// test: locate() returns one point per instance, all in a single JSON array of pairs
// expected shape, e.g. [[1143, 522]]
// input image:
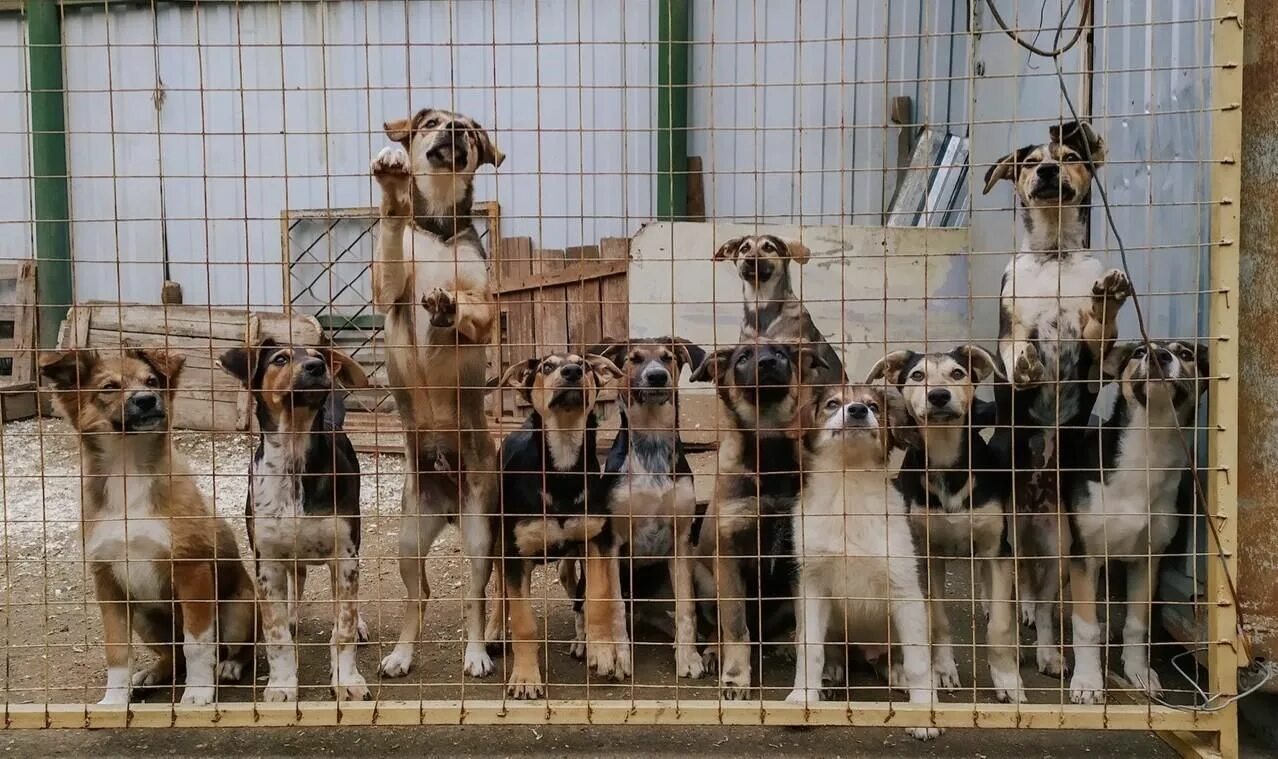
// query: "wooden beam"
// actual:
[[558, 277]]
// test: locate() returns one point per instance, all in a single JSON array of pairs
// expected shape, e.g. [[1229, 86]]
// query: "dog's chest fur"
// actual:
[[648, 480], [128, 531], [957, 505], [282, 528]]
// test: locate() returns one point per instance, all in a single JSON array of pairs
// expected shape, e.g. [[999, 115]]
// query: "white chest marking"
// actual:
[[129, 534], [281, 528]]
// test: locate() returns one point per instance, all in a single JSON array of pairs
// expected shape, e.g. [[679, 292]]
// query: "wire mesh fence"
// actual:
[[717, 362]]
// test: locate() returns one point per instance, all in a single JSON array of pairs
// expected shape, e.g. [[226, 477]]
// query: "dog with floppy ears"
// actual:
[[858, 572], [958, 495], [553, 506], [163, 563], [1058, 316], [1123, 506], [303, 501], [431, 280]]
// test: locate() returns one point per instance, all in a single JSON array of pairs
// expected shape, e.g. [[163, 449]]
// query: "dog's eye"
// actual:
[[431, 123], [636, 358], [833, 403], [743, 360], [547, 368], [873, 406], [916, 375], [667, 358], [1187, 355], [958, 374], [280, 359], [109, 386], [1138, 353], [152, 381]]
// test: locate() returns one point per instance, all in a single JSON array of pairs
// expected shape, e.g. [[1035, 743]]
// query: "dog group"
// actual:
[[836, 505]]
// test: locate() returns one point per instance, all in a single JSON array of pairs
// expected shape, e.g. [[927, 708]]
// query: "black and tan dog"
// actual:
[[431, 280], [163, 564], [303, 501], [553, 505], [772, 310], [746, 539]]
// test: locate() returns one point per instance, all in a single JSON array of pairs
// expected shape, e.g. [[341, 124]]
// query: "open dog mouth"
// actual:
[[651, 396], [144, 421], [935, 414], [1052, 190], [568, 398], [756, 271], [448, 155]]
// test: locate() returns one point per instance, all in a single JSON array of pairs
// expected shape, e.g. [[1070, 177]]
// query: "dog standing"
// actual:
[[858, 573], [429, 253], [303, 502], [1058, 316], [163, 563], [1123, 505], [958, 494], [553, 505]]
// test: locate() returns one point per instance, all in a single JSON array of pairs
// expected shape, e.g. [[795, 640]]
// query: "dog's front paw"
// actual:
[[477, 662], [1087, 687], [442, 308], [398, 662], [688, 663], [1050, 661], [525, 684], [391, 165], [197, 695], [803, 696], [611, 660], [230, 670], [946, 673], [280, 689], [115, 697], [1029, 369], [350, 687], [156, 674], [1008, 687], [1144, 679], [925, 733], [1115, 287], [1028, 612], [710, 660], [361, 629], [734, 683]]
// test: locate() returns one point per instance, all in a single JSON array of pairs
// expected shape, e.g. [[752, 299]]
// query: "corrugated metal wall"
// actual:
[[15, 143]]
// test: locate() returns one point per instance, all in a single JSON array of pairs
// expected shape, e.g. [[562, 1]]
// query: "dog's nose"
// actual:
[[144, 401], [1049, 170], [1164, 356], [938, 397], [656, 377], [313, 367], [571, 372], [858, 411], [767, 362]]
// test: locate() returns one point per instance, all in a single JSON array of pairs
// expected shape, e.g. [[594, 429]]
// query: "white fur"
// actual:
[[200, 652], [127, 533], [117, 686], [1088, 683]]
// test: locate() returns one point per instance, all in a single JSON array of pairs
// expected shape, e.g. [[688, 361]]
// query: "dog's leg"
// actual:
[[947, 675], [1051, 661], [495, 628], [417, 535], [1020, 357], [734, 635], [155, 628], [525, 675], [1088, 684], [236, 630], [296, 589], [574, 587], [601, 644], [477, 537], [1027, 591], [1100, 324], [688, 662], [1000, 632], [347, 683], [620, 630], [812, 620], [281, 654], [909, 618], [196, 592], [1136, 628], [391, 273], [117, 637]]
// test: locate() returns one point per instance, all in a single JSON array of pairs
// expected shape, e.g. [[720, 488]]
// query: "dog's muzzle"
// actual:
[[448, 153], [143, 411], [653, 387], [754, 270]]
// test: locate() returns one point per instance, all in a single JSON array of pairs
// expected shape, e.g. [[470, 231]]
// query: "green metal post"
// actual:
[[674, 29], [49, 167]]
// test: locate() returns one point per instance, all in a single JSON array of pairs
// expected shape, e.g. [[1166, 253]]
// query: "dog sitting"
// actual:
[[746, 538], [772, 310], [303, 501], [554, 505], [429, 253], [1057, 319], [1123, 504], [958, 493], [163, 564], [858, 573]]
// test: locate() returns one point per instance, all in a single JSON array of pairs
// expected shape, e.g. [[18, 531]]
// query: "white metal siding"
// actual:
[[15, 142]]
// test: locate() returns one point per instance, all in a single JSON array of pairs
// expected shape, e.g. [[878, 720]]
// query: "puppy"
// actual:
[[303, 501], [428, 252], [772, 310], [163, 564], [958, 493], [1057, 318], [553, 504], [745, 539], [1123, 506], [858, 573]]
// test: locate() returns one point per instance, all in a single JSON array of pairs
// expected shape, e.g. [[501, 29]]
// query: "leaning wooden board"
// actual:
[[207, 398], [17, 340]]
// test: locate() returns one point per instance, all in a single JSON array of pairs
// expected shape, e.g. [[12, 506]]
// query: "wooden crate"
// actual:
[[17, 340]]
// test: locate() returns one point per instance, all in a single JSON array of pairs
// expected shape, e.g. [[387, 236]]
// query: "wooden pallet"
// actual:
[[17, 340]]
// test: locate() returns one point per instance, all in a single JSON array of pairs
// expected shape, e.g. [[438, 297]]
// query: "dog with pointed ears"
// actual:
[[553, 506], [1123, 506], [958, 495], [431, 280], [1058, 317], [303, 501], [163, 564]]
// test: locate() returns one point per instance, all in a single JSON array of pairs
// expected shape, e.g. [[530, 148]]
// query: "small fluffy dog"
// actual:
[[429, 253], [553, 505], [958, 493], [858, 572], [163, 564], [746, 536], [772, 310], [1123, 505], [303, 501]]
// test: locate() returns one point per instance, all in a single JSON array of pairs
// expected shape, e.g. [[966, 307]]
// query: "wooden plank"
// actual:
[[551, 323], [23, 315], [583, 298], [18, 401], [554, 273], [696, 208], [614, 292]]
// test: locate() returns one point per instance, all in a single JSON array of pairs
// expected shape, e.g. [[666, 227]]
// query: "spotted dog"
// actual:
[[1123, 506], [958, 492], [163, 564], [303, 501], [1057, 318]]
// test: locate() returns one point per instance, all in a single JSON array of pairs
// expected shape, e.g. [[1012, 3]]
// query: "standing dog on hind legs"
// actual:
[[431, 280], [1058, 316]]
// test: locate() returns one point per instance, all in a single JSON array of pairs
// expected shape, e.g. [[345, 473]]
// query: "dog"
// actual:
[[429, 253], [163, 563], [958, 493], [1058, 312], [1123, 507], [303, 501], [745, 540], [858, 573], [553, 505], [772, 310]]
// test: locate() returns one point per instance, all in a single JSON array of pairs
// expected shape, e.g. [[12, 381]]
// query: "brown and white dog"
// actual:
[[431, 280], [163, 563]]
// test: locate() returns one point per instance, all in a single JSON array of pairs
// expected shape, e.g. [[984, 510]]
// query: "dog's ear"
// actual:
[[978, 361], [399, 130], [604, 370], [890, 367], [799, 252], [712, 368], [1117, 357], [345, 369], [687, 353], [167, 364], [810, 361], [1006, 167], [1078, 135], [728, 250], [67, 369], [240, 363], [488, 152], [1204, 364], [902, 432], [520, 376], [611, 348]]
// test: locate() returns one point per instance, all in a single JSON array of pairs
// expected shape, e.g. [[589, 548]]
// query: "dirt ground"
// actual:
[[52, 631]]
